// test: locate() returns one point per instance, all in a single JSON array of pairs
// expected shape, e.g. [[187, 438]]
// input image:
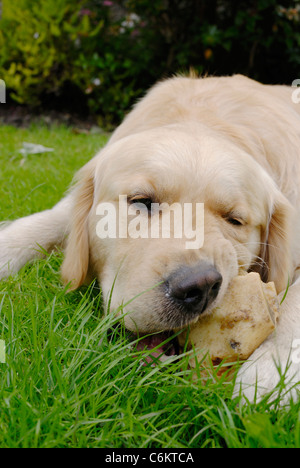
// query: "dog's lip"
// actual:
[[162, 344]]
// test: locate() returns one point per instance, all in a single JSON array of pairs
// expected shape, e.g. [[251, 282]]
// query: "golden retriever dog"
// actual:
[[227, 143]]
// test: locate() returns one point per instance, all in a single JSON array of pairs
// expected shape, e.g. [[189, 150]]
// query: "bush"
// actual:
[[103, 54], [254, 37], [39, 44]]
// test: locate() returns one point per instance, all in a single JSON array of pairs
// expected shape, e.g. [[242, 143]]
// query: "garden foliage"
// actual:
[[104, 54]]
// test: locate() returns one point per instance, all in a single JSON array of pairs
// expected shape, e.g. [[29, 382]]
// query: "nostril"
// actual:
[[216, 287], [183, 292], [192, 295]]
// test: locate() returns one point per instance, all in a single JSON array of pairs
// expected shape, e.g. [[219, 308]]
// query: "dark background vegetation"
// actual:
[[98, 57]]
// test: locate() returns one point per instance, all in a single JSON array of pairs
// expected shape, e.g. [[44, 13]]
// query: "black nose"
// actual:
[[194, 288]]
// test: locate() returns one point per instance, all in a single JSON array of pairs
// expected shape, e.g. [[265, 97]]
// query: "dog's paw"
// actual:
[[4, 256], [272, 371], [12, 257]]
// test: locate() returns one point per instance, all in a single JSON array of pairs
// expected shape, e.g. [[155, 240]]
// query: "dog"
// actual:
[[229, 143]]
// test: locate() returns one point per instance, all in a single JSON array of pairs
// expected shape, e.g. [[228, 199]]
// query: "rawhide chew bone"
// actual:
[[247, 316]]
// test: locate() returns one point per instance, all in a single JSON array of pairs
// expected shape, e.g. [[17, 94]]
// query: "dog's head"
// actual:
[[161, 282]]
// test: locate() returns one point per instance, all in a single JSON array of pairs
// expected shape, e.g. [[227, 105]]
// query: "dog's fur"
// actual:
[[228, 142]]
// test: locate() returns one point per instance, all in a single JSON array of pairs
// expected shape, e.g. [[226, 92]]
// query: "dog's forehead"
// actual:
[[174, 162]]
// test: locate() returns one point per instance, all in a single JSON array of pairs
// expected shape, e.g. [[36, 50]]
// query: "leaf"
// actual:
[[260, 429], [54, 29]]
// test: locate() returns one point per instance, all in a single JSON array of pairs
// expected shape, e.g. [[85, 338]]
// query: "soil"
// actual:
[[22, 117]]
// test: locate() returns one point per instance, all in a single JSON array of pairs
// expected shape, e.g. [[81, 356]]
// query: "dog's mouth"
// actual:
[[152, 348], [160, 347]]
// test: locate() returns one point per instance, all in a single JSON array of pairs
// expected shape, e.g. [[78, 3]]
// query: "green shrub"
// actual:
[[110, 51], [40, 42]]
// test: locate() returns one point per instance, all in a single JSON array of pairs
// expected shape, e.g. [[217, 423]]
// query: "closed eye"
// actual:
[[146, 201], [234, 218], [235, 221]]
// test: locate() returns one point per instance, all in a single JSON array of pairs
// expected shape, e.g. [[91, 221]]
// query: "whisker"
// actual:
[[266, 244], [258, 262]]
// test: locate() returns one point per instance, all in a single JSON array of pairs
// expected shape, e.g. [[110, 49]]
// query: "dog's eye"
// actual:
[[235, 221], [142, 200]]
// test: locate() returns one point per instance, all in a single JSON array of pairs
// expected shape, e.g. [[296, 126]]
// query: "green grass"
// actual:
[[65, 382]]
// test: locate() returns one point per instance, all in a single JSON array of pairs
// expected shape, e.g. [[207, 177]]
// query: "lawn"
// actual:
[[66, 381]]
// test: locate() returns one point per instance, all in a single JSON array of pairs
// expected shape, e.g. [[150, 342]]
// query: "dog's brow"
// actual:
[[237, 213], [141, 193]]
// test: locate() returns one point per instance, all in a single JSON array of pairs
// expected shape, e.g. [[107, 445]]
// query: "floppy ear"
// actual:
[[76, 263], [276, 251]]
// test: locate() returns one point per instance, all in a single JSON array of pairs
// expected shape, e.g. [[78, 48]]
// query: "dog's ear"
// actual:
[[75, 266], [276, 253]]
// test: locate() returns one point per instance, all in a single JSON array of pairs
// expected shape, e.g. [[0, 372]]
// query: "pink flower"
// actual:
[[85, 12], [108, 3]]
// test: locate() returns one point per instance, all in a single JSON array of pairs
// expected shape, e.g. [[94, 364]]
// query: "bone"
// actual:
[[231, 332]]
